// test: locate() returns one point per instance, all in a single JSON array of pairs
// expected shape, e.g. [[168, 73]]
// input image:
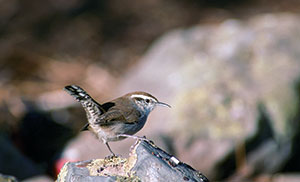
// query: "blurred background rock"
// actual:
[[229, 68]]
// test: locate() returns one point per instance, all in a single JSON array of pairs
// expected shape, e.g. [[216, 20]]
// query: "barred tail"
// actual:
[[78, 93], [92, 108]]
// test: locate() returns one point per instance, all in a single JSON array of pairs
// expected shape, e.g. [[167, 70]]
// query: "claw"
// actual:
[[111, 156]]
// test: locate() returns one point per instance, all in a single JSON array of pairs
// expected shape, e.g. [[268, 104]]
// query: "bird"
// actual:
[[117, 119]]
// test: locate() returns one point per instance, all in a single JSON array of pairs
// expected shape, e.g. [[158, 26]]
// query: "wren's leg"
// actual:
[[135, 137], [113, 154]]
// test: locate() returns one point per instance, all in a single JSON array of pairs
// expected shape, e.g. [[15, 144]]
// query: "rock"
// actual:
[[6, 178], [227, 84], [286, 177], [146, 163]]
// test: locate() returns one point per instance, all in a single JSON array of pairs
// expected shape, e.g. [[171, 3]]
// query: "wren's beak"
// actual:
[[163, 104]]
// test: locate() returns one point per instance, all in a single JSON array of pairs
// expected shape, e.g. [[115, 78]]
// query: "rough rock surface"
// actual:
[[234, 92], [147, 163]]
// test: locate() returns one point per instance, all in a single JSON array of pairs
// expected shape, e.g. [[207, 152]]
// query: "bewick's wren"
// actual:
[[117, 119]]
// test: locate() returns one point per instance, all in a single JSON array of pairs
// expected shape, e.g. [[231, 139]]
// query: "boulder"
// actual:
[[234, 92], [146, 163]]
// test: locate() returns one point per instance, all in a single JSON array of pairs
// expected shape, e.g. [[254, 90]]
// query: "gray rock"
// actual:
[[217, 79], [147, 163], [7, 178]]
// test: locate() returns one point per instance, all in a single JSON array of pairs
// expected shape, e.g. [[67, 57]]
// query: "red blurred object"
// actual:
[[60, 163]]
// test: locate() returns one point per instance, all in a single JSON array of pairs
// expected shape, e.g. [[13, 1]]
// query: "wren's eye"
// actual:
[[138, 99], [147, 101]]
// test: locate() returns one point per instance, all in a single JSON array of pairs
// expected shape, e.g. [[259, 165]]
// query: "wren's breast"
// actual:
[[131, 129], [110, 132], [107, 134]]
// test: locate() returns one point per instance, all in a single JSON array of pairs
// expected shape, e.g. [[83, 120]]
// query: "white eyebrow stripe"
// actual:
[[142, 96]]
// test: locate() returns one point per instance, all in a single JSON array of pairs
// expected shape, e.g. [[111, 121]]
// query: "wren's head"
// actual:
[[146, 102]]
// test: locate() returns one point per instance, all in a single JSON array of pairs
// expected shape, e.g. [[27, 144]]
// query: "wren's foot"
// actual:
[[111, 156]]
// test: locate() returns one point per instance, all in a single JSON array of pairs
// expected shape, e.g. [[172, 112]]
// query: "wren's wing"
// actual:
[[110, 117], [113, 116], [92, 108]]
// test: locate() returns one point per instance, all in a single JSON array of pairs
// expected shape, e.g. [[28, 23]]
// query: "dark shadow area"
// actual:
[[41, 139], [264, 132], [293, 164]]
